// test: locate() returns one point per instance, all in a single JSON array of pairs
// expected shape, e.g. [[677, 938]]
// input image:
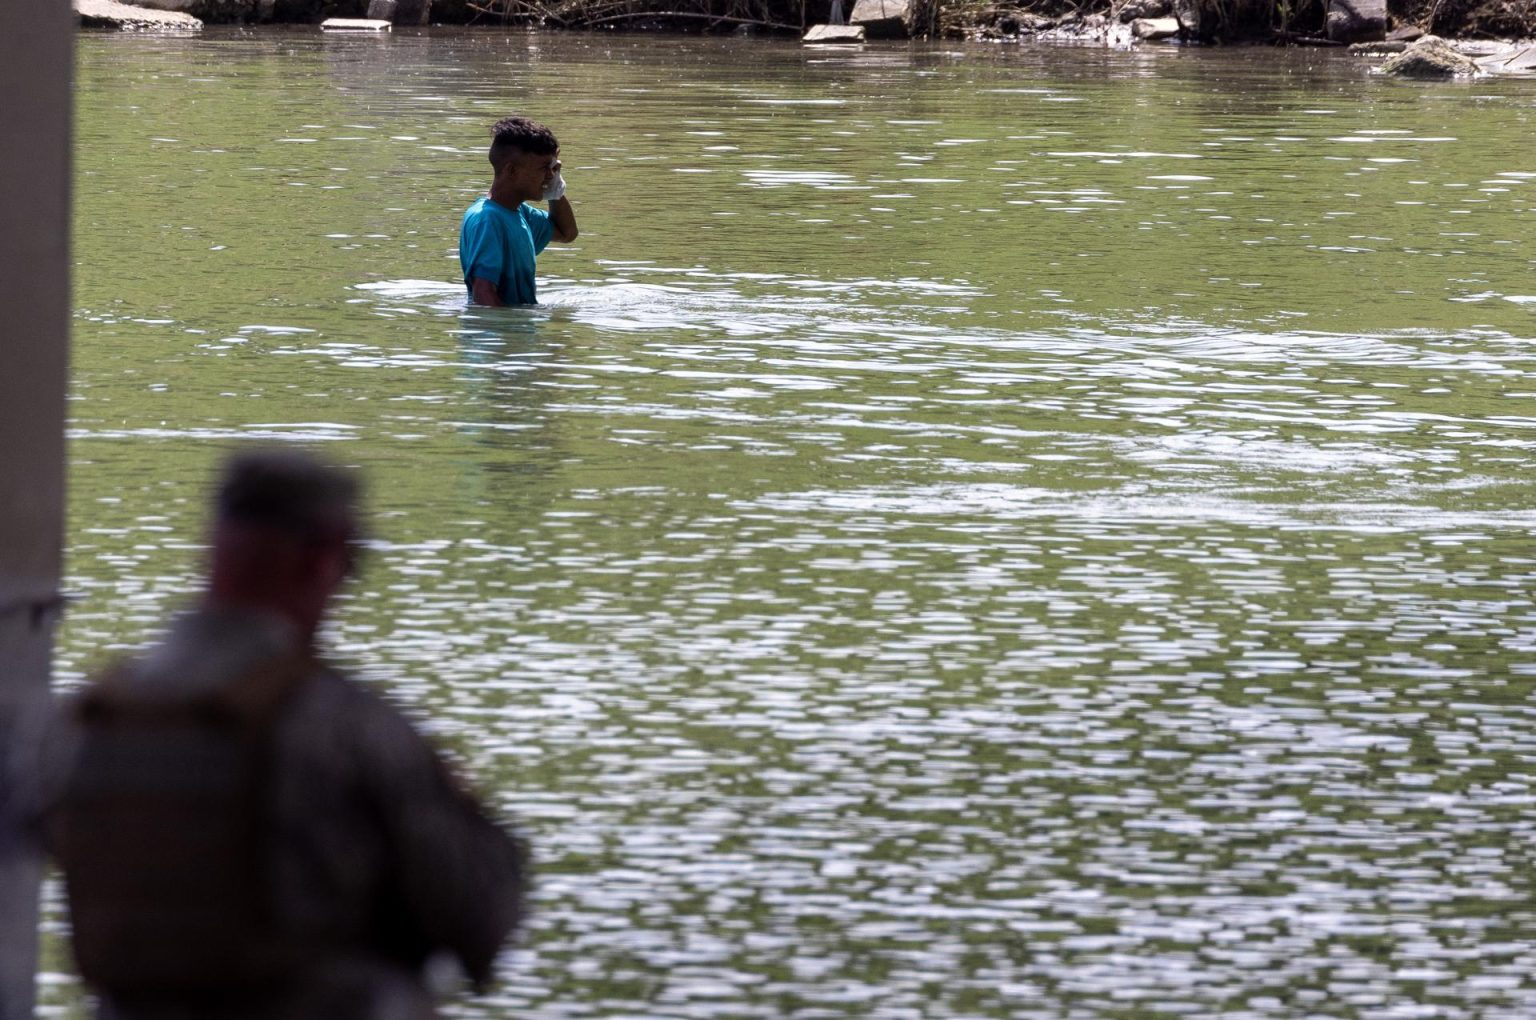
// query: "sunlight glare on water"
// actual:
[[996, 532]]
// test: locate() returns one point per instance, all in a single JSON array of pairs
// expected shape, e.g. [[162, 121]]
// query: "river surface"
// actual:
[[970, 532]]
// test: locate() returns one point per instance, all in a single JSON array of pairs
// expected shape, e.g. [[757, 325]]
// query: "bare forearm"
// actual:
[[563, 219], [483, 292]]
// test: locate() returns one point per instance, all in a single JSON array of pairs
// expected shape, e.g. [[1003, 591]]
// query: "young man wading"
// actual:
[[501, 234], [248, 834]]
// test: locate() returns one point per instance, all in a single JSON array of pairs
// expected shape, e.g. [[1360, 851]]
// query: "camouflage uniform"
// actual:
[[372, 860]]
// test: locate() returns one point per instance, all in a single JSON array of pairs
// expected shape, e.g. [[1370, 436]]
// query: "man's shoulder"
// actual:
[[330, 705], [336, 686], [345, 722], [483, 210], [487, 207]]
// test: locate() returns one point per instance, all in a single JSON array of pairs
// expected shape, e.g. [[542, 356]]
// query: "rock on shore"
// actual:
[[127, 18], [883, 19], [1431, 57]]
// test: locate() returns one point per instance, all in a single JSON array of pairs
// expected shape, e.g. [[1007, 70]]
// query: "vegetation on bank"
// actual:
[[1227, 20]]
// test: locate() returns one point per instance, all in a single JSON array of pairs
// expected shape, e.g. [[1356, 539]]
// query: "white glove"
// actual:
[[555, 189]]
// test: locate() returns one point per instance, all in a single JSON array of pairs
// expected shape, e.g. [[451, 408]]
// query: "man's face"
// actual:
[[530, 173]]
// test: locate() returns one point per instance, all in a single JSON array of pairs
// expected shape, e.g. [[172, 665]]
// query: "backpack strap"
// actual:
[[250, 702], [162, 837]]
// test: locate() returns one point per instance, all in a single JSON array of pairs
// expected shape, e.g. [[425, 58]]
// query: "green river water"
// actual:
[[970, 532]]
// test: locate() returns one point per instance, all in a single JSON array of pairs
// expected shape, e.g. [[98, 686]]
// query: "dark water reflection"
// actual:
[[993, 533]]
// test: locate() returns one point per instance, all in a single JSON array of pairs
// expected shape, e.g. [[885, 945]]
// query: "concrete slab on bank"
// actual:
[[354, 25], [831, 35], [128, 18], [882, 19]]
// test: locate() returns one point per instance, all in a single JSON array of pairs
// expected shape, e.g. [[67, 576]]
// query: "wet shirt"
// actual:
[[500, 244]]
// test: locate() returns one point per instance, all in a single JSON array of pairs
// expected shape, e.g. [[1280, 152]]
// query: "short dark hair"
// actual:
[[293, 491], [519, 134]]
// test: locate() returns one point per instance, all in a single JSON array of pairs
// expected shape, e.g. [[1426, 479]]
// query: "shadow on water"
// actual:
[[509, 360]]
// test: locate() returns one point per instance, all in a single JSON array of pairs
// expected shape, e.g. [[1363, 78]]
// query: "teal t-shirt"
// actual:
[[499, 244]]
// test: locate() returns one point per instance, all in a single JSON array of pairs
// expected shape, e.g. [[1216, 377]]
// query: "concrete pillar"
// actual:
[[412, 12], [1352, 21], [36, 61]]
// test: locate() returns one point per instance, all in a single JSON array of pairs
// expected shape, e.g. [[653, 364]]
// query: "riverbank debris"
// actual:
[[1153, 29], [1516, 58], [833, 35], [122, 17]]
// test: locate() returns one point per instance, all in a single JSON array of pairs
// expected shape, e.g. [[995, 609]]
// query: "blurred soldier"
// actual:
[[245, 832]]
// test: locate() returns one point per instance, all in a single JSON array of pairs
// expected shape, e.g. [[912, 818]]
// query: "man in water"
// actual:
[[247, 833], [502, 234]]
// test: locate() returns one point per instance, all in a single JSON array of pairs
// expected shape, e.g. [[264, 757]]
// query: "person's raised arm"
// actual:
[[562, 218], [483, 292], [460, 878]]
